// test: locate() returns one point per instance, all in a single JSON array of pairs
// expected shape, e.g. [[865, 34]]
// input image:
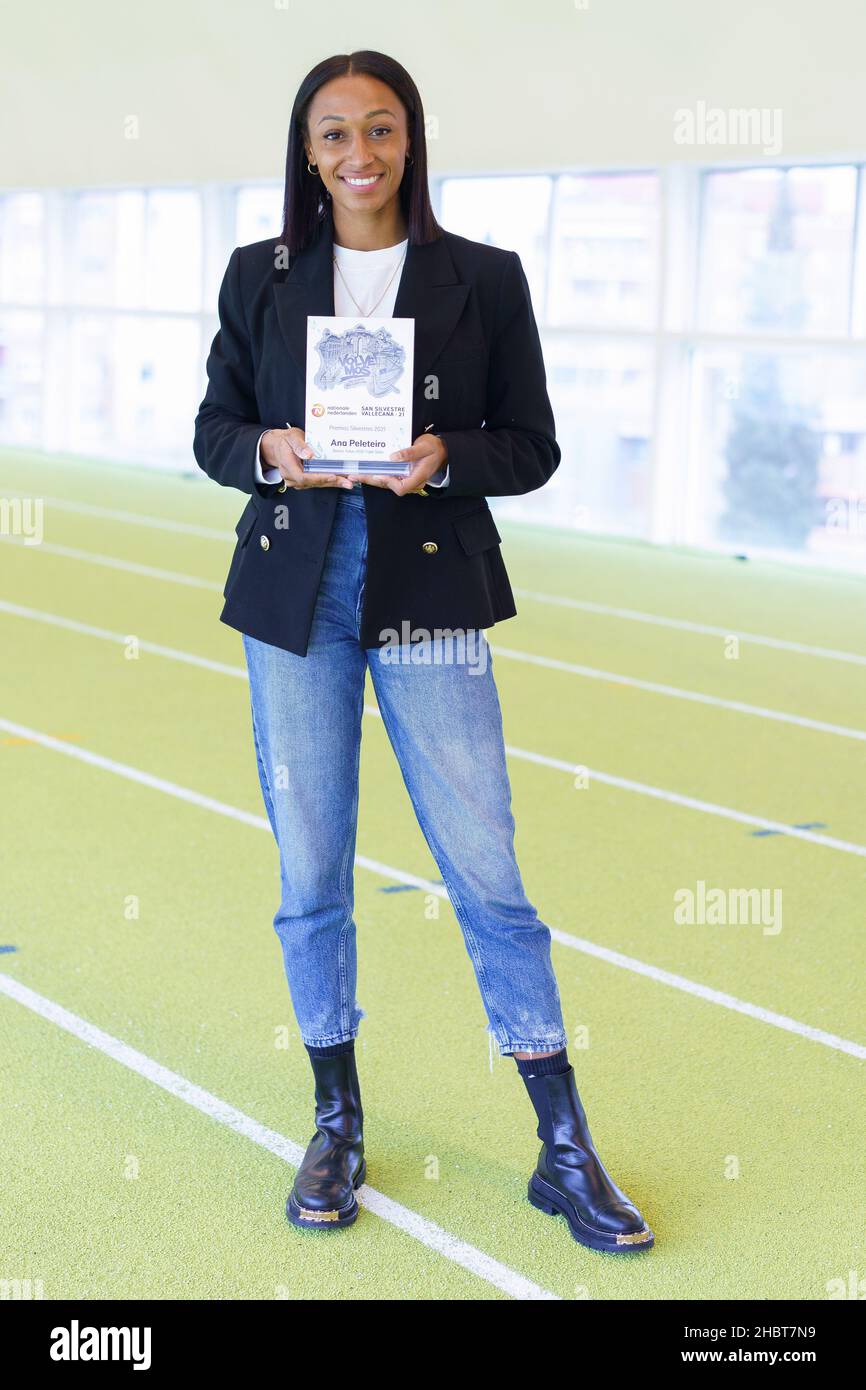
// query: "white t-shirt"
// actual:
[[368, 273]]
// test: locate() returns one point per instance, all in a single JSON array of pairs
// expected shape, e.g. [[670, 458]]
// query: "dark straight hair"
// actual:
[[306, 201]]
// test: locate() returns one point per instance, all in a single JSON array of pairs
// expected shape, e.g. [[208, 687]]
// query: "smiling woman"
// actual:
[[322, 578], [362, 170], [359, 123]]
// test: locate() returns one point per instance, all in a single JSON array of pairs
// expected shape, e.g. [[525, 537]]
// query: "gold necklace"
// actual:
[[368, 313]]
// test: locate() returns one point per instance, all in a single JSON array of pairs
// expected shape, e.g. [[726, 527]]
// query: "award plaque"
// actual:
[[359, 394]]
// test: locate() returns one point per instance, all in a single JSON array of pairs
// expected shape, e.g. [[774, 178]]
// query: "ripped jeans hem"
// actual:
[[554, 1044], [345, 1035]]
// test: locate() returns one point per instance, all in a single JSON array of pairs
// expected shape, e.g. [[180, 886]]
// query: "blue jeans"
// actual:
[[440, 708]]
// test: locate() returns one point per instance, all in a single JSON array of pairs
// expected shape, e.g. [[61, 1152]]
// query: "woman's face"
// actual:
[[357, 130]]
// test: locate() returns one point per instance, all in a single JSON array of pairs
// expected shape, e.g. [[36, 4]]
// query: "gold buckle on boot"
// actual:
[[318, 1215], [634, 1237]]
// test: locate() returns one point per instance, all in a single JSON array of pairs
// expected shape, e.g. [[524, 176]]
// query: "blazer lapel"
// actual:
[[430, 291]]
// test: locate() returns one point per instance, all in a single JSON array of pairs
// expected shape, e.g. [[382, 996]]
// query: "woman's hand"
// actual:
[[427, 454], [285, 450]]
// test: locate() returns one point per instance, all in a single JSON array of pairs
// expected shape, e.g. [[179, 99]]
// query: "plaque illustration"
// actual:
[[359, 358]]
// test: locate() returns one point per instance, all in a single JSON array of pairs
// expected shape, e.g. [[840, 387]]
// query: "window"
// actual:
[[589, 246], [703, 329], [777, 250]]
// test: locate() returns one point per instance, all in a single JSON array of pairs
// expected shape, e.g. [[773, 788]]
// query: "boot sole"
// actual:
[[545, 1198], [308, 1219]]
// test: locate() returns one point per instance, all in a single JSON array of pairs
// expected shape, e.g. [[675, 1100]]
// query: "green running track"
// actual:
[[155, 1091]]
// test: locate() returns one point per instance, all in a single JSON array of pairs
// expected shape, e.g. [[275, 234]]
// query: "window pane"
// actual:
[[601, 395], [132, 381], [107, 248], [21, 337], [137, 250], [173, 249], [22, 254], [507, 212], [776, 249], [605, 250], [259, 213], [782, 452]]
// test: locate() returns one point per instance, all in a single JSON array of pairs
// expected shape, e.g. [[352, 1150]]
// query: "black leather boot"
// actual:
[[570, 1180], [323, 1194]]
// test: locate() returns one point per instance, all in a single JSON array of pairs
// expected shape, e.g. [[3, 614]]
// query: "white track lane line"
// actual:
[[551, 663], [692, 803], [19, 610], [112, 562], [636, 615], [676, 692], [576, 943], [410, 1222], [155, 523], [525, 755], [559, 600]]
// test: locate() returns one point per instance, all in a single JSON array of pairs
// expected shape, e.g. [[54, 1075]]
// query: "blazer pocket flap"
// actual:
[[476, 531], [244, 527]]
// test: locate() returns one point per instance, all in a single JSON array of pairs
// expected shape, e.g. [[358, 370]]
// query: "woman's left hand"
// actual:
[[427, 455]]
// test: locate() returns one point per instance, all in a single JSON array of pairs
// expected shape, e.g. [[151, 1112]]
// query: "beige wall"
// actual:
[[546, 84]]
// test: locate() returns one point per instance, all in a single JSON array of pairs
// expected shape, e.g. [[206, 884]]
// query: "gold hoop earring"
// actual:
[[312, 169]]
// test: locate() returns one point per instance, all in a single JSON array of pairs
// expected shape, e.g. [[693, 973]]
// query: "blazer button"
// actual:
[[429, 547], [264, 543]]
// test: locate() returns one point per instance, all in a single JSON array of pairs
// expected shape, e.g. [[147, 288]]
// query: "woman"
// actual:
[[329, 572]]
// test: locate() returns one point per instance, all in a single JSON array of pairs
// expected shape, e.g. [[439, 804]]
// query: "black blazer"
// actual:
[[479, 380]]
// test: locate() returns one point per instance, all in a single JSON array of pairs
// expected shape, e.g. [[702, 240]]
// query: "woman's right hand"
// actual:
[[286, 450]]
